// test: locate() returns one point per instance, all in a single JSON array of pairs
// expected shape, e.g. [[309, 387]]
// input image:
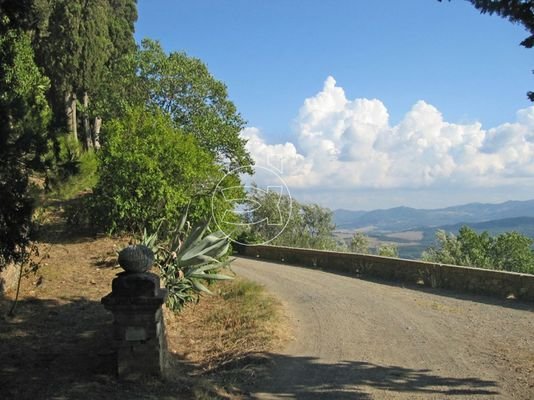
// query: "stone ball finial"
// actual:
[[136, 258]]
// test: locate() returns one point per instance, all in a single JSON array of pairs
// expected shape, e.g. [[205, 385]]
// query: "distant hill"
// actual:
[[424, 237], [406, 218]]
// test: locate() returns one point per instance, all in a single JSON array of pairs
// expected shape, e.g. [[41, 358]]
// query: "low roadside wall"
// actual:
[[466, 279]]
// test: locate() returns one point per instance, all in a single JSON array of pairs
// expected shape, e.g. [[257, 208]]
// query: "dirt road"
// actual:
[[356, 339]]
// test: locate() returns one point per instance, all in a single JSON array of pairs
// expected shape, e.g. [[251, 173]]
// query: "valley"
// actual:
[[413, 230]]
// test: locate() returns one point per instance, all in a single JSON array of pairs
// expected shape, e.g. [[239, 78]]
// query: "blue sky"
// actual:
[[413, 60]]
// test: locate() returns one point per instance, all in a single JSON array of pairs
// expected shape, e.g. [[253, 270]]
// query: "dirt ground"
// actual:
[[59, 344], [357, 339]]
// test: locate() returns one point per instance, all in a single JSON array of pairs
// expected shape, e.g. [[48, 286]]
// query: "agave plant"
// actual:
[[189, 260]]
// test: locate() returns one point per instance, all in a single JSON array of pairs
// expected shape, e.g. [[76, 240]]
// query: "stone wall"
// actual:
[[465, 279]]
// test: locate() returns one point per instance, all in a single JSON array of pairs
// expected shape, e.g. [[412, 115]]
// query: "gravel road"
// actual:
[[357, 339]]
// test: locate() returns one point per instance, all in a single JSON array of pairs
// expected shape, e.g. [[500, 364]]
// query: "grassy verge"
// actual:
[[61, 335], [223, 337], [84, 180]]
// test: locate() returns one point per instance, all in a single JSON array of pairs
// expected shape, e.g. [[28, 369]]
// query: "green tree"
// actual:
[[474, 248], [447, 250], [198, 104], [359, 243], [388, 250], [114, 95], [271, 216], [24, 116], [280, 220], [317, 226], [149, 171], [79, 46], [509, 251], [467, 248], [512, 251]]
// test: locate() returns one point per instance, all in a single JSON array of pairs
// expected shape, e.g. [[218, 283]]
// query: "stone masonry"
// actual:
[[138, 329]]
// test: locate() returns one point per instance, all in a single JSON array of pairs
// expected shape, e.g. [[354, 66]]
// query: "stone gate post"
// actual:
[[136, 301]]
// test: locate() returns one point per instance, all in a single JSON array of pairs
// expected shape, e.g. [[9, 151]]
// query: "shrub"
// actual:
[[150, 171], [509, 251], [72, 169], [187, 260], [388, 250]]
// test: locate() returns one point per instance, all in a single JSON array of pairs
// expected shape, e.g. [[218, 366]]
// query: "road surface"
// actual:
[[356, 339]]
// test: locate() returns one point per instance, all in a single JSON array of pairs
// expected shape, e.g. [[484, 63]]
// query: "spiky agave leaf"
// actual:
[[185, 265], [195, 235], [200, 287], [209, 277], [204, 249]]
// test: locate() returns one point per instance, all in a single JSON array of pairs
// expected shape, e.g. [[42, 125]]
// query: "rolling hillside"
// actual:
[[406, 218], [413, 230]]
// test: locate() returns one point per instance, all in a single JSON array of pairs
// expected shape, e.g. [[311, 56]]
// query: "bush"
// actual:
[[24, 116], [388, 250], [72, 169], [510, 251], [150, 171], [187, 260]]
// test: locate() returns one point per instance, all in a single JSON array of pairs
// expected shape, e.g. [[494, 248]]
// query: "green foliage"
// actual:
[[509, 251], [71, 170], [359, 243], [150, 171], [280, 220], [24, 115], [446, 251], [318, 226], [78, 45], [248, 237], [474, 247], [388, 250], [512, 251], [83, 181], [182, 87], [266, 214], [188, 260]]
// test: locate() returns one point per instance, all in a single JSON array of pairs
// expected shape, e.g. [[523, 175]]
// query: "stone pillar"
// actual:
[[136, 302]]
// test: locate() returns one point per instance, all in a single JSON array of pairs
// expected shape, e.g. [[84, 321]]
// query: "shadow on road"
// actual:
[[61, 349], [305, 378]]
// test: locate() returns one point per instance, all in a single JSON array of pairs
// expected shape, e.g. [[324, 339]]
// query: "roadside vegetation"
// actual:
[[100, 136], [61, 335], [510, 251]]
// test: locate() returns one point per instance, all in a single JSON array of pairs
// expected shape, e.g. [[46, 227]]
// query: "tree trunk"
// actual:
[[74, 114], [86, 125], [96, 132], [70, 113]]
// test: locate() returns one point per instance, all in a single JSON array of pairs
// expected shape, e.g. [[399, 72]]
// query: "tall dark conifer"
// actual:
[[24, 115], [84, 39]]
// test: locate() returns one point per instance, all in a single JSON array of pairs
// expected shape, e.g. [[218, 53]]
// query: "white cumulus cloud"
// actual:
[[342, 143]]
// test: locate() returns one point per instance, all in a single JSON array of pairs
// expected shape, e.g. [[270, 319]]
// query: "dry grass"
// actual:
[[225, 336], [61, 335], [241, 320]]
